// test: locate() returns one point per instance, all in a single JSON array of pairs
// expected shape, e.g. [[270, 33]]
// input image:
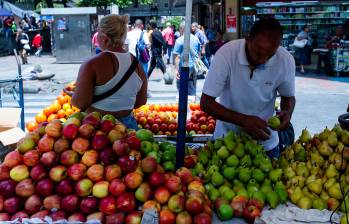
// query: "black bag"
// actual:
[[123, 80]]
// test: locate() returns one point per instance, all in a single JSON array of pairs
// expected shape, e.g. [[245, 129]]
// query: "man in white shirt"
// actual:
[[132, 39], [246, 75]]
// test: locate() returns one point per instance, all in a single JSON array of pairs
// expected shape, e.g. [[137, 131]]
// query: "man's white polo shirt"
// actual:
[[229, 79]]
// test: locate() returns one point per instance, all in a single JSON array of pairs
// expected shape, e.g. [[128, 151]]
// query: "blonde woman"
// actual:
[[112, 82]]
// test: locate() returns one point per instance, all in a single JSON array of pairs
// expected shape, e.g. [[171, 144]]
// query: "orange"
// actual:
[[31, 126], [40, 117], [69, 112], [75, 109], [66, 106], [56, 106], [52, 117], [61, 99], [48, 111], [67, 98], [61, 113]]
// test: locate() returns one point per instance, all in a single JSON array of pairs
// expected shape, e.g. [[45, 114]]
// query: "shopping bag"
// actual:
[[26, 46], [24, 41], [300, 43]]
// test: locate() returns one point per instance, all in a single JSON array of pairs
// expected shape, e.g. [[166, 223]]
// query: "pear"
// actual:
[[217, 179], [310, 179], [332, 139], [305, 136], [324, 196], [300, 155], [297, 146], [340, 147], [324, 134], [304, 203], [272, 199], [329, 183], [283, 163], [298, 181], [274, 122], [315, 186], [302, 170], [339, 162], [335, 191], [344, 219], [213, 194], [229, 140], [345, 137], [232, 160], [275, 175], [337, 129], [282, 193], [296, 195], [332, 171], [218, 143], [246, 161], [289, 173], [317, 159], [325, 149], [239, 150], [223, 152], [319, 204]]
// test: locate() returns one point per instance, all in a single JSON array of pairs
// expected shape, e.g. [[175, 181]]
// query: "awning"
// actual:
[[4, 12]]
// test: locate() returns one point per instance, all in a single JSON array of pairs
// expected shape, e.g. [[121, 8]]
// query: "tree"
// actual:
[[105, 3]]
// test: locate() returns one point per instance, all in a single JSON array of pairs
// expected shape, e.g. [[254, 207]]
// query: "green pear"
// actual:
[[237, 185], [315, 186], [199, 168], [223, 188], [208, 186], [252, 148], [259, 195], [265, 165], [229, 140], [213, 194], [338, 161], [345, 205], [272, 199], [266, 186], [258, 175], [304, 203], [257, 160], [324, 196], [217, 179], [242, 192], [325, 149], [289, 173], [212, 169], [324, 134], [283, 162], [274, 122], [300, 155], [228, 194], [305, 136], [239, 150], [317, 159], [332, 139], [210, 145], [332, 172], [345, 137], [230, 172], [329, 183], [232, 160], [246, 161], [218, 143], [296, 195], [244, 175], [335, 191], [203, 157], [223, 152], [302, 170], [205, 176], [337, 129], [275, 175], [344, 219], [282, 193], [253, 183], [310, 179], [298, 181]]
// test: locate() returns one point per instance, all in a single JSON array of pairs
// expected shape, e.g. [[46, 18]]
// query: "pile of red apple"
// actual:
[[200, 123], [90, 168]]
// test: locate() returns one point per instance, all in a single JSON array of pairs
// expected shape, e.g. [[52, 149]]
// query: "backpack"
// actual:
[[142, 52]]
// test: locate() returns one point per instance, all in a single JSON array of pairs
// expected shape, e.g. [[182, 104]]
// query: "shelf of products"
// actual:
[[340, 58]]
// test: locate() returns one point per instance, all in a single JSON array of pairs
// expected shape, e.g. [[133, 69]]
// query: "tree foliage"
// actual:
[[105, 3], [174, 20]]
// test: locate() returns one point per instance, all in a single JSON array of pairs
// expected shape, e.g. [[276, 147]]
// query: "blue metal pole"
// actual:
[[182, 116]]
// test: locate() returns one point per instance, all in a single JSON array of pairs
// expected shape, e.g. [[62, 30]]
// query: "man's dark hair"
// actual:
[[267, 25], [153, 24]]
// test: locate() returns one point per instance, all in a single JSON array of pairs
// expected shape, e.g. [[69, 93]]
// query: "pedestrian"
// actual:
[[95, 44], [203, 41], [158, 48], [305, 52], [168, 35], [219, 41], [178, 59], [112, 82], [22, 41], [37, 44], [134, 37], [246, 75]]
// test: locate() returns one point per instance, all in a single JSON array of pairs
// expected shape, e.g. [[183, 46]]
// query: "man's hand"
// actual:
[[256, 127], [285, 118], [178, 75]]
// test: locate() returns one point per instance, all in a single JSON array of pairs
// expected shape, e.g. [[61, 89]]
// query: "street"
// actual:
[[320, 99]]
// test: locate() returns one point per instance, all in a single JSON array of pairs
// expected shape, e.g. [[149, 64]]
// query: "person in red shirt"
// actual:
[[37, 44], [168, 35]]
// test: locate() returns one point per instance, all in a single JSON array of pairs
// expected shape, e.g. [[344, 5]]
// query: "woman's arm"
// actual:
[[141, 98], [85, 84]]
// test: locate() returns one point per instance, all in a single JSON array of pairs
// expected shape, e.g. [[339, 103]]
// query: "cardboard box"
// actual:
[[10, 134]]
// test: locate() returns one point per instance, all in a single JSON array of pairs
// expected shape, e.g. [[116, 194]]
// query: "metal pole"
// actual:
[[183, 89], [20, 90]]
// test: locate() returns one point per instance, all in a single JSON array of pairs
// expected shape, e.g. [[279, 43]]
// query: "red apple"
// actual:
[[54, 129], [25, 188], [238, 204], [44, 187], [185, 175], [257, 203], [184, 218], [162, 195], [126, 202], [142, 121], [155, 128], [90, 157], [106, 125], [100, 189], [111, 172], [210, 127], [128, 164], [107, 156], [19, 173], [143, 192], [31, 158], [173, 184], [149, 164], [196, 185], [77, 217], [176, 203], [19, 216], [4, 216], [93, 118], [64, 187], [86, 131], [116, 218], [151, 204], [95, 172], [156, 179], [89, 205], [83, 187], [137, 155], [48, 158], [76, 171], [58, 173], [100, 142], [40, 214], [4, 172], [117, 187], [7, 188], [133, 180], [2, 199], [166, 216], [69, 157], [134, 217], [190, 161], [70, 203], [33, 204], [96, 216], [133, 142], [194, 205], [250, 213], [80, 145], [12, 159], [12, 205], [202, 218], [121, 147], [46, 143], [38, 172], [58, 215], [107, 205], [61, 145], [70, 131], [52, 202]]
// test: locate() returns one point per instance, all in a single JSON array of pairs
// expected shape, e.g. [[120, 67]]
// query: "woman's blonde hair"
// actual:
[[115, 27]]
